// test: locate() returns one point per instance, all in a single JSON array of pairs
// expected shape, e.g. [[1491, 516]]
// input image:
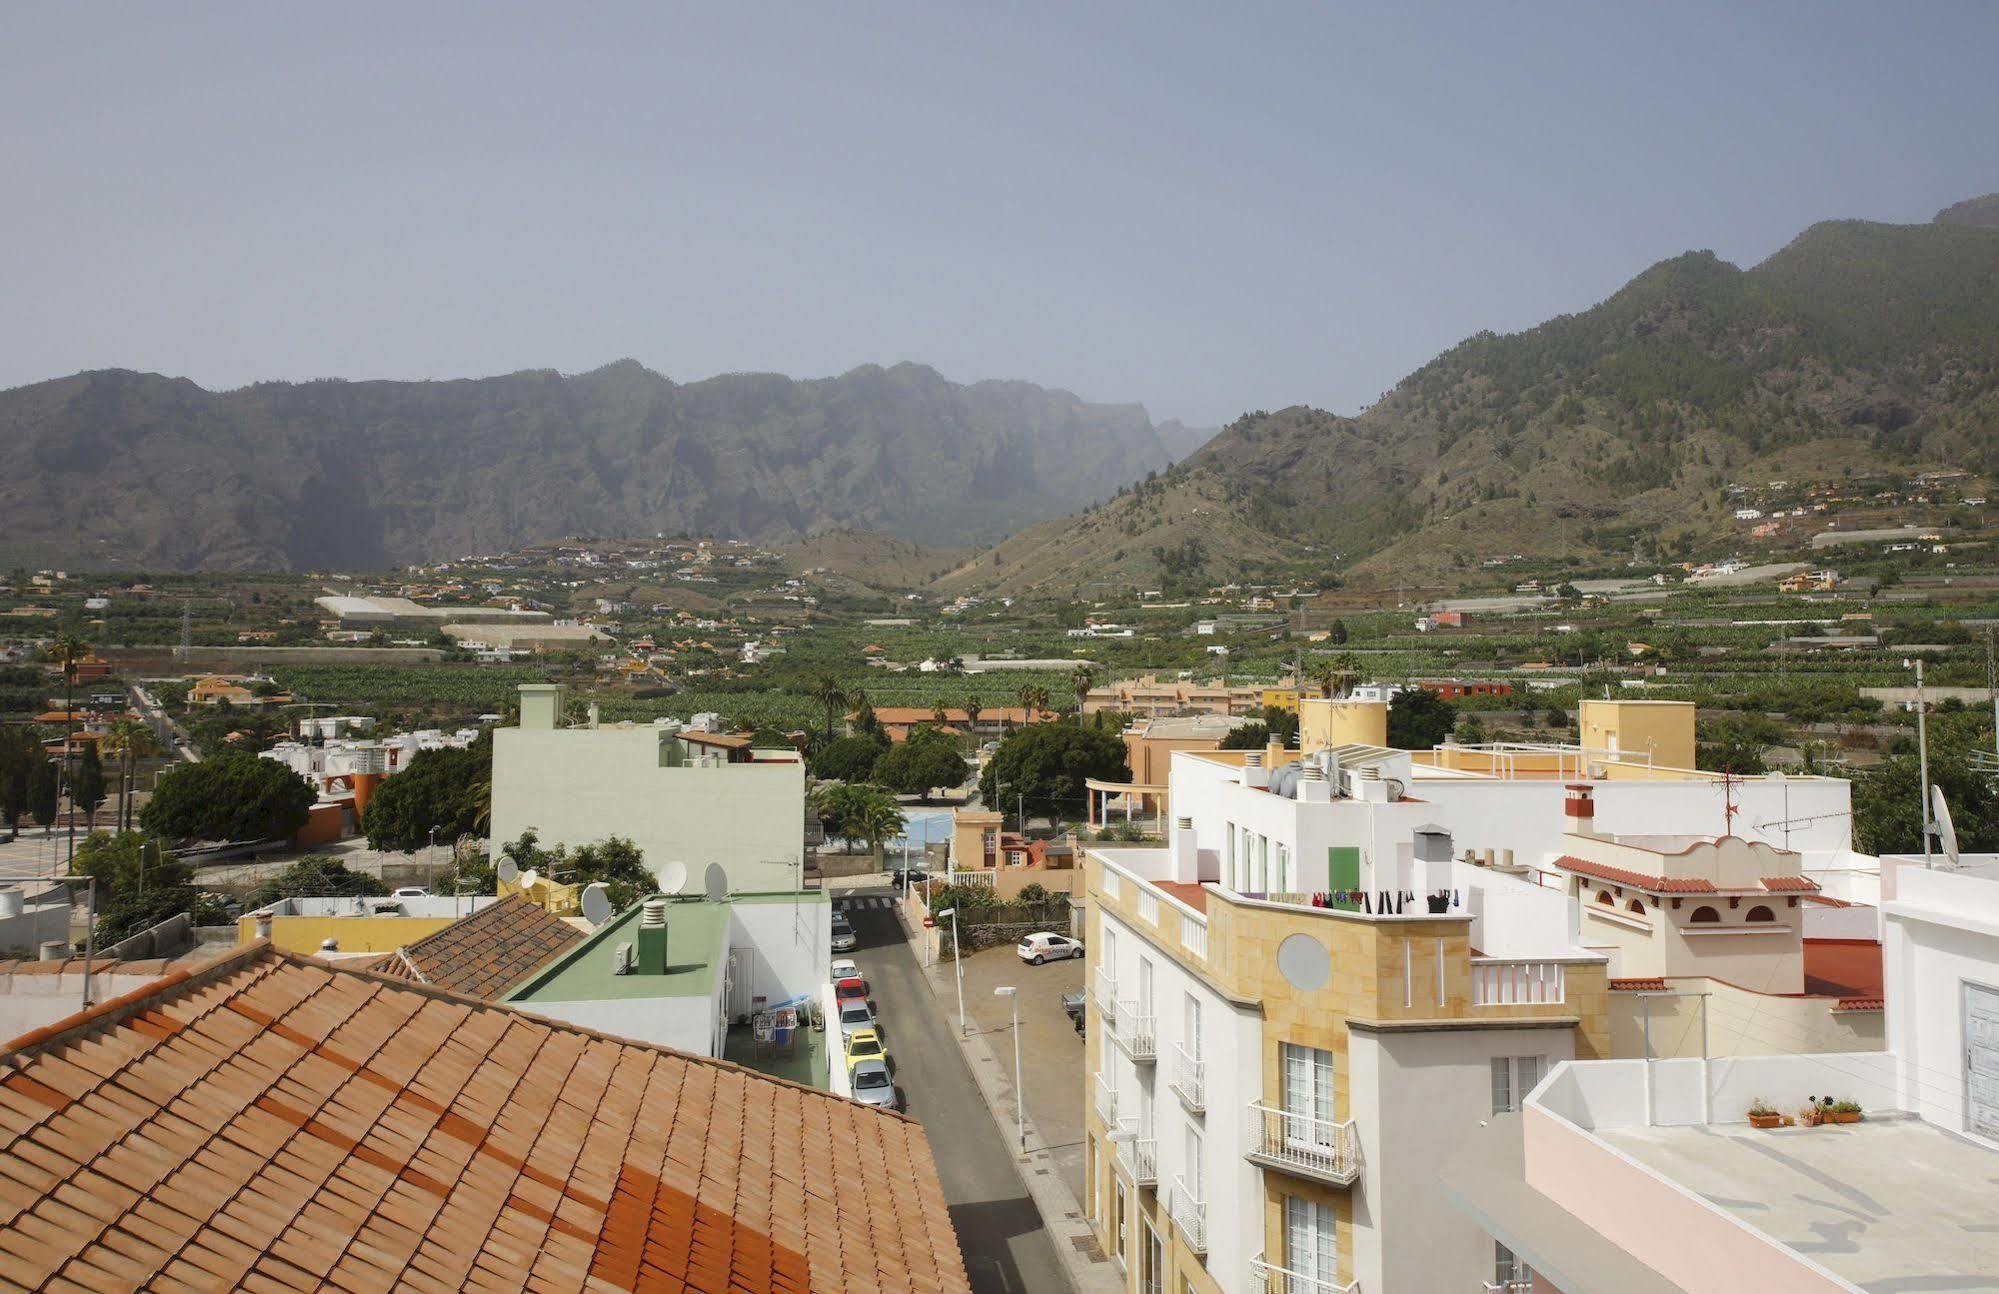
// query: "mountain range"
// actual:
[[1858, 348], [117, 469]]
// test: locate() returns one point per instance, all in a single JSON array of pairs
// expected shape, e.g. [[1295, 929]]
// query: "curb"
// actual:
[[1061, 1214]]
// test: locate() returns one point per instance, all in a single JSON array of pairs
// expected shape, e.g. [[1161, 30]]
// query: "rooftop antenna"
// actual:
[[673, 878], [596, 903]]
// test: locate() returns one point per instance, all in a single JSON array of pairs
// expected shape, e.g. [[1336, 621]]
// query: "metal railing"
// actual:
[[1106, 1102], [1106, 994], [1504, 983], [1134, 1033], [1509, 1287], [1139, 1156], [1191, 1216], [1321, 1149], [1268, 1278], [1189, 1081]]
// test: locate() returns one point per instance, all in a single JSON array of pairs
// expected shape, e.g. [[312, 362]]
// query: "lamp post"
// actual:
[[957, 965], [1008, 992], [1923, 754]]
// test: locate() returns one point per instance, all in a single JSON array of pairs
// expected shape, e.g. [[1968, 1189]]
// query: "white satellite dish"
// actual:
[[528, 879], [596, 903], [509, 870], [673, 878], [1946, 829], [716, 881]]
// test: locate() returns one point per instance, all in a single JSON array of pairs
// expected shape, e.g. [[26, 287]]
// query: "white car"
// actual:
[[410, 892], [1048, 947], [843, 968]]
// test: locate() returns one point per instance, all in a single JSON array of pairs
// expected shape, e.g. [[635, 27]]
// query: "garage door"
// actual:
[[1981, 1060]]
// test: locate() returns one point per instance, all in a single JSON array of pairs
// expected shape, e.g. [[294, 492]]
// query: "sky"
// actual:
[[1204, 209]]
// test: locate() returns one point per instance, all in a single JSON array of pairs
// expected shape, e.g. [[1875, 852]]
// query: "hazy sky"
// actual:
[[1204, 209]]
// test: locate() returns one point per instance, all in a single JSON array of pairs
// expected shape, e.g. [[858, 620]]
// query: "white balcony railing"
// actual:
[[1148, 906], [1106, 994], [1135, 1033], [1505, 983], [1268, 1278], [1190, 1079], [1139, 1156], [1106, 1102], [1297, 1143], [1190, 1214], [1194, 936], [1509, 1287]]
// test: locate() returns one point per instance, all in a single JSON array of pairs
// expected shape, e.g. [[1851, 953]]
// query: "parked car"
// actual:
[[410, 892], [843, 935], [856, 1014], [874, 1085], [910, 876], [851, 989], [1047, 947], [1072, 1006], [844, 968], [864, 1044]]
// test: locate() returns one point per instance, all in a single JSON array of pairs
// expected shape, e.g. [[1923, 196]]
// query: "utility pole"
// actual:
[[1992, 688], [1923, 759]]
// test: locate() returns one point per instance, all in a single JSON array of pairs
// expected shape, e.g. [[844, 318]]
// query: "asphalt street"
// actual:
[[1006, 1250]]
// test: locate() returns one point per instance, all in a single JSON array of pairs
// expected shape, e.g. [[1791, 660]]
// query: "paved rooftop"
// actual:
[[1891, 1204], [694, 945]]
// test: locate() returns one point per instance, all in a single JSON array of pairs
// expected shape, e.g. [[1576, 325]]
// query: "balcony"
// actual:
[[1506, 983], [1134, 1033], [1138, 1156], [1510, 1287], [1191, 1216], [1298, 1144], [1106, 993], [1264, 1278], [1106, 1102], [1189, 1081]]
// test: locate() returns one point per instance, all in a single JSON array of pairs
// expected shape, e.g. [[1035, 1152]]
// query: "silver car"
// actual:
[[857, 1014], [874, 1085]]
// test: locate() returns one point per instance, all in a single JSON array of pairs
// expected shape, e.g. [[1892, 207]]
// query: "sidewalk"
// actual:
[[1090, 1272]]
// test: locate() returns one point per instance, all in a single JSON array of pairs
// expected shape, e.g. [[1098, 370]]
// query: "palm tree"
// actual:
[[1033, 700], [833, 694], [878, 821], [69, 650], [130, 741], [1081, 680], [972, 711]]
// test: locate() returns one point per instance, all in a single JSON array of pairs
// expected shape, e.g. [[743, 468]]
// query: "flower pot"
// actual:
[[1848, 1116], [1766, 1120]]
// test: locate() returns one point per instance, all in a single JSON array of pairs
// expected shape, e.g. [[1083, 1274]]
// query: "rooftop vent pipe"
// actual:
[[652, 937]]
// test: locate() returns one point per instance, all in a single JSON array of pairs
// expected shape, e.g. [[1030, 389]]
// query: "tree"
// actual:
[[442, 795], [927, 759], [139, 884], [1081, 680], [973, 710], [1033, 700], [615, 862], [1048, 763], [877, 822], [1888, 804], [1737, 745], [128, 741], [43, 791], [1419, 719], [233, 796], [832, 694], [849, 759], [316, 876], [1251, 736], [1336, 633], [19, 753], [69, 651], [86, 784], [847, 809], [1470, 731]]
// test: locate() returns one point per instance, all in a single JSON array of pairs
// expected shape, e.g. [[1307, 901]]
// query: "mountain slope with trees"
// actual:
[[106, 469], [1858, 347]]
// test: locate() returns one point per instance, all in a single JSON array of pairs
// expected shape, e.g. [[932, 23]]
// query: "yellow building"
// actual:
[[1324, 723], [353, 925], [1657, 732]]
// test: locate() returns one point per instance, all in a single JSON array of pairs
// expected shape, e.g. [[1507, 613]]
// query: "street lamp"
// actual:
[[957, 965], [1923, 755], [1012, 996]]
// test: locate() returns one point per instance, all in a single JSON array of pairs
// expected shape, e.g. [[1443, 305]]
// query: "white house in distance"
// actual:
[[682, 796]]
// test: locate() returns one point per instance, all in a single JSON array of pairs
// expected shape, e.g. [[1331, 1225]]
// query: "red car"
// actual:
[[851, 989]]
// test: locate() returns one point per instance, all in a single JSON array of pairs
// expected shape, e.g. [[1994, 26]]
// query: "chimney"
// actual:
[[1580, 810], [54, 950], [1313, 788], [1254, 774], [652, 937], [541, 705], [1273, 754], [1186, 853], [593, 714], [1370, 787]]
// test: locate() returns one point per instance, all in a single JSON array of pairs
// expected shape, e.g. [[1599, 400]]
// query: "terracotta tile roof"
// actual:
[[1194, 896], [1790, 884], [1638, 880], [1845, 968], [271, 1122], [1860, 1004], [487, 953], [1655, 985]]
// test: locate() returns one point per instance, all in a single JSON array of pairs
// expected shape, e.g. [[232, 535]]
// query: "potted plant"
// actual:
[[1761, 1115], [1844, 1112], [1815, 1110]]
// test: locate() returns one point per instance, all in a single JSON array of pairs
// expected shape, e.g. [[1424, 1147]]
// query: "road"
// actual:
[[1006, 1249]]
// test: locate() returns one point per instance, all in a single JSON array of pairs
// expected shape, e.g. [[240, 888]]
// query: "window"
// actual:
[[1308, 1097], [1117, 1220], [1193, 1166], [1760, 913], [1145, 986], [1152, 1264], [1281, 880], [1638, 907], [1704, 916], [1190, 1025], [1513, 1077], [1507, 1269], [1311, 1242], [1603, 897], [1229, 872]]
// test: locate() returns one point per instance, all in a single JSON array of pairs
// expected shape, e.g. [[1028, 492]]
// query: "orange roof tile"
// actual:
[[487, 953], [274, 1122]]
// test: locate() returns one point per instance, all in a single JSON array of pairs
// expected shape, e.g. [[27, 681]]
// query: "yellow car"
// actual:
[[865, 1044]]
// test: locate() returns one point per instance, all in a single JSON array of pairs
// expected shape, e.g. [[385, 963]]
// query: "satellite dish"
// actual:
[[528, 879], [716, 882], [509, 870], [673, 878], [596, 903], [1946, 829]]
